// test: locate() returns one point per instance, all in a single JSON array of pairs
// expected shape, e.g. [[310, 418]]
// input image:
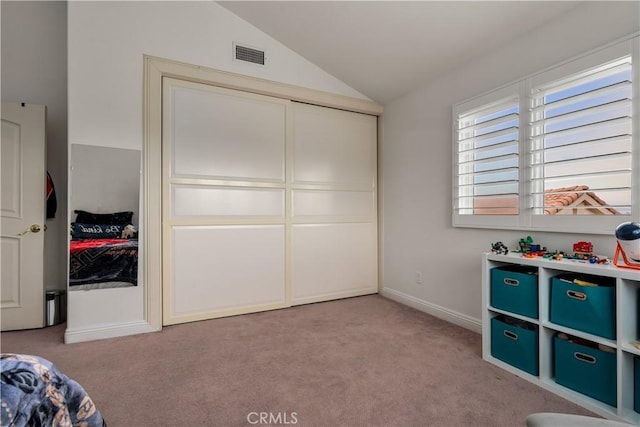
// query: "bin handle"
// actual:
[[577, 295], [584, 357], [511, 282], [510, 334]]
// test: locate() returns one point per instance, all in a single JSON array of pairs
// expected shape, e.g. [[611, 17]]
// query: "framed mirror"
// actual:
[[103, 210]]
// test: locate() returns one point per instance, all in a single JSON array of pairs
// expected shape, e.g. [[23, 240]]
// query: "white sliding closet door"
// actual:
[[224, 202], [334, 221], [267, 203]]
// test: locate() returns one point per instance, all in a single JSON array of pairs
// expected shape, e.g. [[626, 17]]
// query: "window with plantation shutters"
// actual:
[[581, 143], [488, 172], [556, 151]]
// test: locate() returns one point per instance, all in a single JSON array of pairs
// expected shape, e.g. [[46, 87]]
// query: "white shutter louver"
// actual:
[[581, 145], [487, 160]]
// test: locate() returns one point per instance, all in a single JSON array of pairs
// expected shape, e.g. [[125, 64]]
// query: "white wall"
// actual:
[[34, 70], [416, 159], [107, 41]]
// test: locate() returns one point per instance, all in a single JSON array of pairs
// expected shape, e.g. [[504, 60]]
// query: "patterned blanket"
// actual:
[[34, 393], [103, 260]]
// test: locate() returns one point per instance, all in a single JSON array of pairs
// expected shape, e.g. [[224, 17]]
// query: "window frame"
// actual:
[[487, 221], [522, 88]]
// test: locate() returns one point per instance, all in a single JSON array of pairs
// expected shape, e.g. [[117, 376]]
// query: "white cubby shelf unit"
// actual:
[[627, 312]]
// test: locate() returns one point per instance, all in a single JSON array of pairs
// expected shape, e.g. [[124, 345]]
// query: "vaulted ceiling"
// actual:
[[384, 49]]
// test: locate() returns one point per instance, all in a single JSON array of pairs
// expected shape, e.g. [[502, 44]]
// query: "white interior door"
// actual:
[[23, 214]]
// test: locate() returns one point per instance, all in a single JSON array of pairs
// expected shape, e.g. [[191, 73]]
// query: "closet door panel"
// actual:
[[223, 134], [194, 200], [333, 147], [307, 203], [333, 261], [218, 268], [224, 199]]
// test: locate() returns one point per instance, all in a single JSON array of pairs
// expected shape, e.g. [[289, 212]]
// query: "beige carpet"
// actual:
[[364, 361]]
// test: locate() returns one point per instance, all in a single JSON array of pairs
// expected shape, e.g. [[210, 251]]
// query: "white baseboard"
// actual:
[[451, 316], [123, 329], [107, 331]]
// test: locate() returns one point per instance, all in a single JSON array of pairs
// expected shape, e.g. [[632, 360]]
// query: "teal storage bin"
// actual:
[[636, 384], [515, 342], [514, 288], [590, 309], [586, 370]]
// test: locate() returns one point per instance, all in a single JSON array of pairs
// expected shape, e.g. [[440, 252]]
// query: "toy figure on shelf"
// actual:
[[595, 259], [530, 249], [553, 255], [499, 248], [525, 244], [628, 235], [583, 250]]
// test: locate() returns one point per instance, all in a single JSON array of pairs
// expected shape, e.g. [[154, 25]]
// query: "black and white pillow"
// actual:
[[81, 230], [119, 218]]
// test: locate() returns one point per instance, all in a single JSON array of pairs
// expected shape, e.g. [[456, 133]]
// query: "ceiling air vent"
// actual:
[[248, 54]]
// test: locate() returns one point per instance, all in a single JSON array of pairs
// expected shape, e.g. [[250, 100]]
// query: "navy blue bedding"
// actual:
[[35, 393]]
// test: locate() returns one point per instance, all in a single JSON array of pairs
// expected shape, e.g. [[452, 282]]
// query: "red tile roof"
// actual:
[[558, 199]]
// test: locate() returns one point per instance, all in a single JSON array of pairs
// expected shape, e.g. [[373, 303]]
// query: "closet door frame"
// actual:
[[155, 70]]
